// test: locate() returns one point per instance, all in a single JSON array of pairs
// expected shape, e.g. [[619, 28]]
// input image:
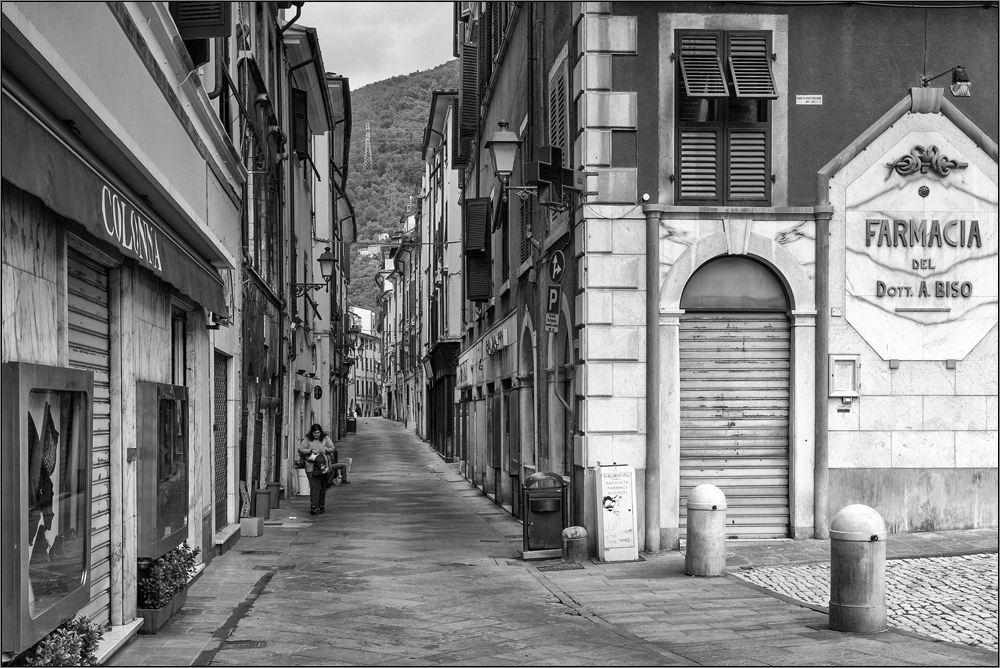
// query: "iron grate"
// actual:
[[489, 540], [245, 644], [261, 553], [562, 567]]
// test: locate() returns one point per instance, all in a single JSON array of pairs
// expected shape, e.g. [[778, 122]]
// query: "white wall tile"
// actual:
[[976, 449], [866, 449], [891, 413], [923, 449], [955, 413]]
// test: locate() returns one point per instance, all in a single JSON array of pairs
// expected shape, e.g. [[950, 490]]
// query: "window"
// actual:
[[725, 85], [300, 123]]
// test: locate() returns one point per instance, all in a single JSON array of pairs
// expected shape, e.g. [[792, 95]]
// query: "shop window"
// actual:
[[46, 473], [725, 85], [163, 455]]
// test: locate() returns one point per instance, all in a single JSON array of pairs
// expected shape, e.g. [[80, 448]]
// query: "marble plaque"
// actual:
[[921, 250]]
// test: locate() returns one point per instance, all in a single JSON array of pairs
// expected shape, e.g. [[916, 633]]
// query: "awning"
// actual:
[[38, 161]]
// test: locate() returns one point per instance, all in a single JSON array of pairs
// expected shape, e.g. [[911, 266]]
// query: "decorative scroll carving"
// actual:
[[922, 159]]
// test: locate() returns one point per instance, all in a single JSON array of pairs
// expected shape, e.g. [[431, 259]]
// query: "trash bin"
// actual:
[[352, 425], [543, 498]]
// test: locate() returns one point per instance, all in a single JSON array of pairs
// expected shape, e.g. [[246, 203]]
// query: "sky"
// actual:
[[372, 41]]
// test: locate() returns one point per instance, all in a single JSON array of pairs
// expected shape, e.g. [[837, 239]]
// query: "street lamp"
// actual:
[[960, 84], [503, 147], [327, 262]]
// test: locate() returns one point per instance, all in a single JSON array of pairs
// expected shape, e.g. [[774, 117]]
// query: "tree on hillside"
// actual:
[[396, 109]]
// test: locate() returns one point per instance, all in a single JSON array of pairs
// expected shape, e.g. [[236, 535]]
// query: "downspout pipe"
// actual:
[[821, 467], [298, 13], [653, 399]]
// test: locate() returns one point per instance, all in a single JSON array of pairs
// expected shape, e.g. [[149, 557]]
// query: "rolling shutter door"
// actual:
[[734, 417], [90, 348], [221, 429]]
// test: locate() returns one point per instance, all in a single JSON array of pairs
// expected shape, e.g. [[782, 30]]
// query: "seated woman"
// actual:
[[316, 443]]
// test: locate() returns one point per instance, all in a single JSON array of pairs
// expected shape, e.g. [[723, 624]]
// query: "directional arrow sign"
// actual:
[[557, 266]]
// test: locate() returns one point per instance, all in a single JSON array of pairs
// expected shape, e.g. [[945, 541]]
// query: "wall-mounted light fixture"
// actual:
[[503, 150], [327, 261], [960, 84]]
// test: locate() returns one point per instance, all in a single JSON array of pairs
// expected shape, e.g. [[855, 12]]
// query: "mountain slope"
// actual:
[[396, 110]]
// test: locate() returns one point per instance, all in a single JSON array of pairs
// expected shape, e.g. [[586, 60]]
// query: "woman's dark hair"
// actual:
[[322, 433]]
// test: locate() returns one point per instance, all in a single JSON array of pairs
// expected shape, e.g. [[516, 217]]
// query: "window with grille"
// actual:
[[725, 85]]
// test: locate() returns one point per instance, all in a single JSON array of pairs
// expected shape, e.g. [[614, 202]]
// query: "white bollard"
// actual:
[[706, 532], [857, 571]]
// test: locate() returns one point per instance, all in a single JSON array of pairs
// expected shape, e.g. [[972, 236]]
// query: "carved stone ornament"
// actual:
[[922, 159]]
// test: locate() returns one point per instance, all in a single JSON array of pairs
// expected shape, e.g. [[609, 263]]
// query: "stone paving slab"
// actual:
[[413, 566]]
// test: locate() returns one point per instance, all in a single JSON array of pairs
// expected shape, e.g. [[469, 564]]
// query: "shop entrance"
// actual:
[[734, 384]]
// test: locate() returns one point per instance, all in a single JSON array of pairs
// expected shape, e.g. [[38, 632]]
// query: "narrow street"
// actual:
[[411, 565]]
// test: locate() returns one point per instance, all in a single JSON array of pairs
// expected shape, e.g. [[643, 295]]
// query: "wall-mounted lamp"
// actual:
[[960, 84], [503, 150], [327, 261]]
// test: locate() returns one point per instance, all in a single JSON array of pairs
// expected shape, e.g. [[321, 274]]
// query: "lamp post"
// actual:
[[961, 86], [503, 146]]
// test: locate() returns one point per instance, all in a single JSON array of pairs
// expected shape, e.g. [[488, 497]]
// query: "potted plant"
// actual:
[[72, 643], [163, 586]]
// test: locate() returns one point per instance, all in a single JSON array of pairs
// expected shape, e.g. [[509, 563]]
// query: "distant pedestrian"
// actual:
[[320, 455]]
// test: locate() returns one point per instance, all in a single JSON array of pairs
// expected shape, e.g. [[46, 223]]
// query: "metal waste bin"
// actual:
[[543, 498], [352, 425]]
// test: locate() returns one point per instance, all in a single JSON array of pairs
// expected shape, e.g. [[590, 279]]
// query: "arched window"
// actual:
[[734, 283]]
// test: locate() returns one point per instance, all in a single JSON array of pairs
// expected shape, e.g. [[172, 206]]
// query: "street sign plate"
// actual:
[[555, 296], [557, 266]]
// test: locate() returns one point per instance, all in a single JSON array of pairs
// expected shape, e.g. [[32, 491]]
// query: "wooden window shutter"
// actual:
[[750, 64], [458, 158], [558, 112], [700, 55], [202, 20], [700, 162], [468, 98], [300, 122], [485, 53], [477, 277], [749, 175], [477, 218]]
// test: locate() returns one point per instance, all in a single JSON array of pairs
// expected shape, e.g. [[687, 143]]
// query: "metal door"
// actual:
[[734, 381], [90, 348]]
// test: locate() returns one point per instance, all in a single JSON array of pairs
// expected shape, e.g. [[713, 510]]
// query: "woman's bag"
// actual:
[[322, 464]]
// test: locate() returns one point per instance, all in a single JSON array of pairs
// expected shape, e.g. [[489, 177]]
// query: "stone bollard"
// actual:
[[706, 532], [575, 548], [857, 571]]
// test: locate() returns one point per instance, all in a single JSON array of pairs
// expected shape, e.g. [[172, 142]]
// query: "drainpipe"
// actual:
[[298, 13], [821, 467], [220, 81], [653, 435]]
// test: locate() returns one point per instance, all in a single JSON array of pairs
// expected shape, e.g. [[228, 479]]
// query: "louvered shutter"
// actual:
[[458, 159], [700, 160], [700, 55], [485, 53], [201, 20], [749, 177], [477, 216], [477, 277], [468, 98], [300, 122], [557, 111], [750, 64]]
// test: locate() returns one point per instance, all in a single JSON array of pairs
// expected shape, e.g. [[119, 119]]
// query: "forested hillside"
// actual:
[[396, 109]]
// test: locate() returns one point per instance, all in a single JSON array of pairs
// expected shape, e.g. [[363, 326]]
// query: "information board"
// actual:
[[617, 530]]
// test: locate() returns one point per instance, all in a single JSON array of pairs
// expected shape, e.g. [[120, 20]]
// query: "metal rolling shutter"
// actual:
[[90, 348], [734, 417], [221, 428]]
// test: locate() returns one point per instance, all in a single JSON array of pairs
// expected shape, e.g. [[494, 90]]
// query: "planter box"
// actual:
[[153, 620]]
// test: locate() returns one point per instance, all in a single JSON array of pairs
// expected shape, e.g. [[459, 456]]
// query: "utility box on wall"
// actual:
[[617, 526]]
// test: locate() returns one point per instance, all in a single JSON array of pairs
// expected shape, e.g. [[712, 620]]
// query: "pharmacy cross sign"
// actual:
[[548, 171]]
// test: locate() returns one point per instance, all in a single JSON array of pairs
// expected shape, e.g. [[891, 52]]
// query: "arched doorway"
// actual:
[[734, 393]]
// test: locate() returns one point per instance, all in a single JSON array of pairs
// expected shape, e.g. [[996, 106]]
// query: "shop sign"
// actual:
[[129, 229], [496, 342], [617, 528], [921, 250]]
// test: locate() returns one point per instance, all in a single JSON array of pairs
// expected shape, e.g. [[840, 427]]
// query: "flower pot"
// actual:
[[153, 620], [178, 601]]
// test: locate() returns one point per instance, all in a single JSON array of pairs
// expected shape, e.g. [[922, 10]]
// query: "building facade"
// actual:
[[791, 215], [152, 325]]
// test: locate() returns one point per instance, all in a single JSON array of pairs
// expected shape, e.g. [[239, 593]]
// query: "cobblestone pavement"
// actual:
[[947, 598]]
